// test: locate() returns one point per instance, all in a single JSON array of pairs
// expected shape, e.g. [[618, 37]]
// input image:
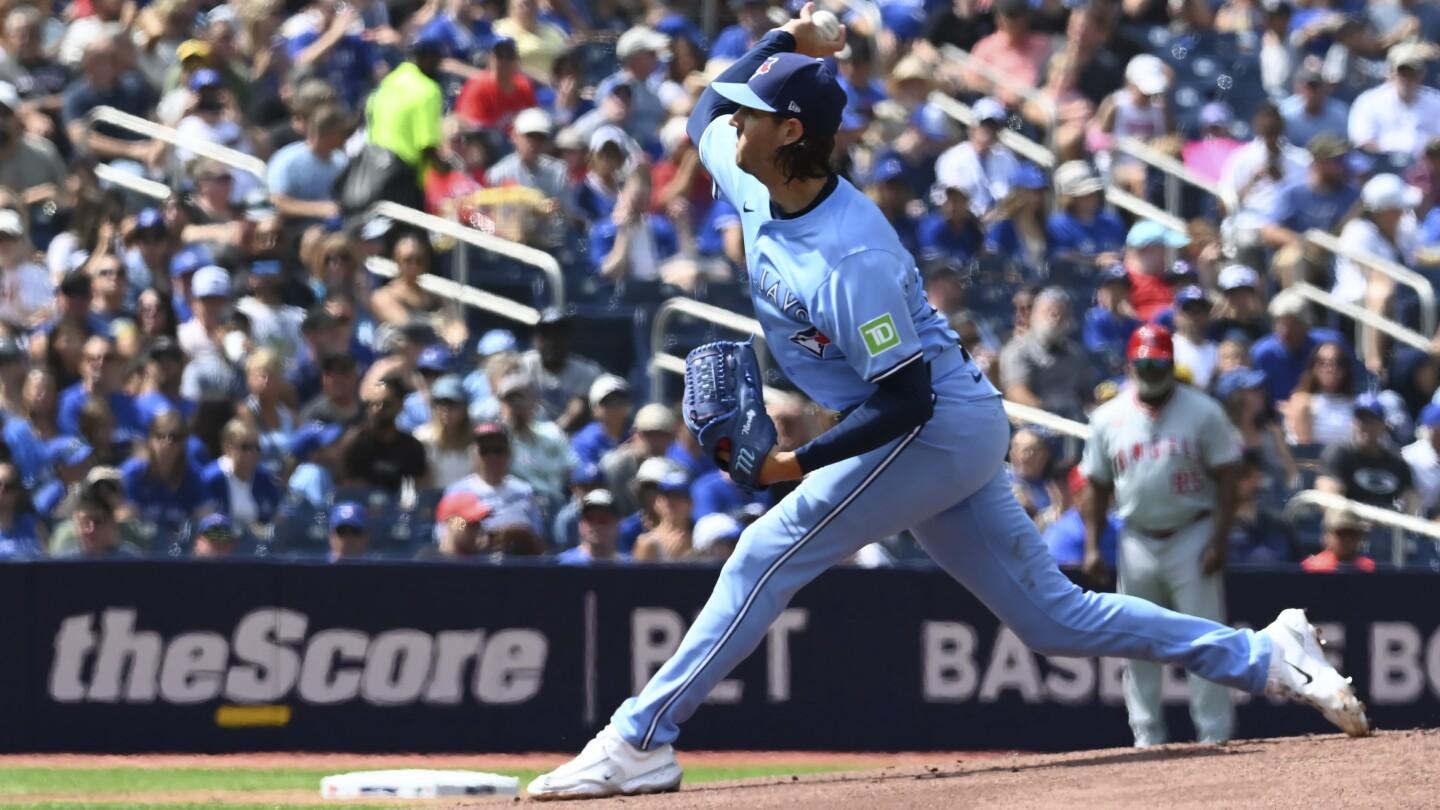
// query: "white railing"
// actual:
[[1120, 198], [1175, 172], [140, 185], [462, 293], [1017, 143], [1365, 318], [524, 254], [540, 260], [1025, 92], [1040, 418], [160, 132], [1399, 273], [1397, 521]]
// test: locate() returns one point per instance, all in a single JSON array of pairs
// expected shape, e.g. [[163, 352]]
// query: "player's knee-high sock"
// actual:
[[991, 546]]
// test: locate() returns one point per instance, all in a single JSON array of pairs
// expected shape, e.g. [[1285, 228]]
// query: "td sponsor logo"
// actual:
[[274, 656]]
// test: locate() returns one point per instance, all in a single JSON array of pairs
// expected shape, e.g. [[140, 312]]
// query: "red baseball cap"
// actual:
[[1077, 481], [1151, 342], [464, 505]]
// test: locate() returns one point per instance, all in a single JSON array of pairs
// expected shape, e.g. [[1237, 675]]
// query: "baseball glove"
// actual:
[[725, 408]]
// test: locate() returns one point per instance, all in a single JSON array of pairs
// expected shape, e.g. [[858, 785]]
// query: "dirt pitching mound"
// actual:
[[1393, 770]]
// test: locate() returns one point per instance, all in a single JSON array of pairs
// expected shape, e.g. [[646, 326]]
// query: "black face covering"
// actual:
[[209, 104]]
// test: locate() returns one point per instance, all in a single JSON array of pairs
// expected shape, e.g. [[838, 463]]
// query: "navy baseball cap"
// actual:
[[313, 436], [150, 219], [205, 79], [1369, 405], [1189, 295], [66, 450], [1240, 379], [889, 169], [435, 358], [793, 86], [349, 514]]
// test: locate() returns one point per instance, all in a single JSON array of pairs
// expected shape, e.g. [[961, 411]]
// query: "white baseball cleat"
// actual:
[[610, 766], [1299, 671]]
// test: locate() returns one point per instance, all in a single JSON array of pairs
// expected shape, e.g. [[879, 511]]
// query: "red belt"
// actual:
[[1169, 533]]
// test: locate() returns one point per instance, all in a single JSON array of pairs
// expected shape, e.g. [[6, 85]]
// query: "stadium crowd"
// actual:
[[217, 368]]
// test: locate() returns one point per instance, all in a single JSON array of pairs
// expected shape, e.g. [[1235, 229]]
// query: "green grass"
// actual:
[[105, 783]]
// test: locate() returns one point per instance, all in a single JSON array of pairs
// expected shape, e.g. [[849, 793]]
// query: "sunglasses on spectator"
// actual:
[[248, 447], [215, 178], [167, 436], [349, 531], [109, 272], [493, 449], [99, 358], [1145, 367]]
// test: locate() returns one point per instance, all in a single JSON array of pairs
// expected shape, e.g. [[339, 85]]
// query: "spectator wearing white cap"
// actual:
[[631, 243], [645, 490], [654, 432], [1258, 175], [1387, 229], [541, 453], [1401, 115], [204, 333], [980, 166], [1080, 229], [1138, 111], [609, 153], [530, 165], [715, 536], [1241, 309], [25, 291], [610, 407], [639, 50], [491, 344], [28, 163]]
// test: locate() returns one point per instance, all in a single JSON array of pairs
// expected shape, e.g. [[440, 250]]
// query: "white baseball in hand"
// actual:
[[826, 24]]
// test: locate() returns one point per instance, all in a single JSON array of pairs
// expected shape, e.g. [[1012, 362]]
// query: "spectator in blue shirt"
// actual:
[[22, 536], [610, 406], [715, 493], [164, 368], [1284, 354], [599, 532], [719, 234], [1066, 536], [862, 89], [1110, 322], [104, 84], [751, 22], [161, 486], [317, 452], [71, 460], [1017, 230], [1325, 201], [100, 380], [1311, 110], [565, 529], [237, 485], [952, 231], [891, 194], [183, 265], [1080, 230], [492, 343], [464, 28], [631, 242], [330, 46], [434, 362], [301, 176]]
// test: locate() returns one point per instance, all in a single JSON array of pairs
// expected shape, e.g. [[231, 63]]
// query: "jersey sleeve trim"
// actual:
[[903, 363]]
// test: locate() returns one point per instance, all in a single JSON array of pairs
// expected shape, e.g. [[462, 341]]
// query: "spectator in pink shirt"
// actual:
[[1013, 51], [1207, 156]]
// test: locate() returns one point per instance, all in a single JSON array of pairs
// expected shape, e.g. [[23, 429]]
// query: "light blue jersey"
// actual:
[[840, 300]]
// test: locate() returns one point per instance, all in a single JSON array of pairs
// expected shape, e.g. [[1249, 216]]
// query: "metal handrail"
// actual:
[[1362, 316], [1154, 157], [461, 293], [1397, 272], [696, 309], [1030, 94], [1019, 144], [1120, 198], [1057, 424], [230, 157], [1397, 521], [525, 254], [140, 185]]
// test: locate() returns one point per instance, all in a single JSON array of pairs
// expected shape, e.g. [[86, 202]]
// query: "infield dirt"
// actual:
[[1394, 769]]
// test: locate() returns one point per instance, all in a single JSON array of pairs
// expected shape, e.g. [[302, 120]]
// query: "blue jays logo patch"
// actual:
[[811, 340], [765, 66]]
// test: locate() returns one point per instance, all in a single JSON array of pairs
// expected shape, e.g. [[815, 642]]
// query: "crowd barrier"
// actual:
[[162, 656]]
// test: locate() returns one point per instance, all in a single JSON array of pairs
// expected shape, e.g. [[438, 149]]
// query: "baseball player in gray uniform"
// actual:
[[1171, 459]]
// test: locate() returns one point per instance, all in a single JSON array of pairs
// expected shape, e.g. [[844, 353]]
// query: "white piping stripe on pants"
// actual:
[[760, 584]]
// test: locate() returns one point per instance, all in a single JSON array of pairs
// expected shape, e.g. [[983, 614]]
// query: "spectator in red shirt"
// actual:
[[1344, 531], [493, 98], [1145, 248], [463, 172]]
